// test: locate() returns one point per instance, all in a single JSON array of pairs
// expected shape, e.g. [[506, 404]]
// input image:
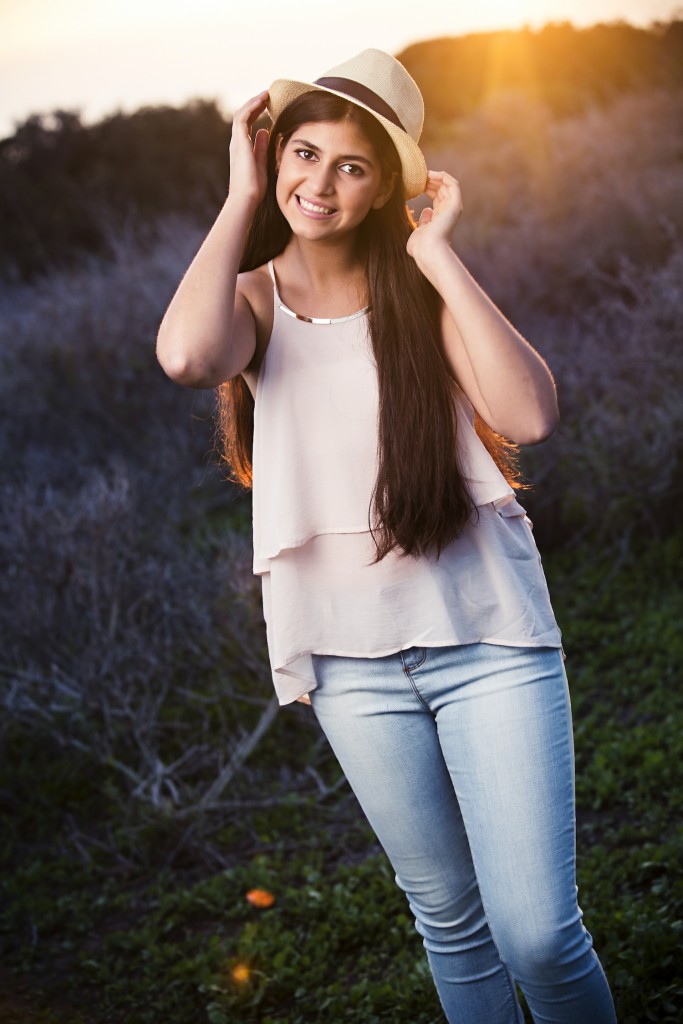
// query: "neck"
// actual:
[[322, 262], [322, 279]]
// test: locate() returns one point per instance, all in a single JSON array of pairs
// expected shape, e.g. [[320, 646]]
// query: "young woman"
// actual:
[[366, 385]]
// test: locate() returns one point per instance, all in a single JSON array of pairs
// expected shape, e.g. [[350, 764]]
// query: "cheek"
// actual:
[[280, 190], [370, 190], [289, 176], [368, 198]]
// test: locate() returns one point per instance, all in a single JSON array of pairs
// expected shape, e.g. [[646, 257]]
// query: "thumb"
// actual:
[[425, 216]]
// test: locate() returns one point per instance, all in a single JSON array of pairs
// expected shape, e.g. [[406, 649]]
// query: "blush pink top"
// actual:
[[314, 466]]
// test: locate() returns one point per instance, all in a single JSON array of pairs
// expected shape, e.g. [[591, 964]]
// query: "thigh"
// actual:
[[387, 744], [504, 724]]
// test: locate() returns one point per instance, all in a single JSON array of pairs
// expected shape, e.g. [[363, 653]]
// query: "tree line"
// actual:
[[64, 185], [563, 67]]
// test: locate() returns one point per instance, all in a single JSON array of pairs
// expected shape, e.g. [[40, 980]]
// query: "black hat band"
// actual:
[[364, 95]]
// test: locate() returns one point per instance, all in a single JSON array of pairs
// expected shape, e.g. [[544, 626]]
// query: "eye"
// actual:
[[305, 154], [352, 169]]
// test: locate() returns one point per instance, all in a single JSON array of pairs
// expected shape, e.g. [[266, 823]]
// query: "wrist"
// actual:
[[431, 254], [239, 210], [241, 205]]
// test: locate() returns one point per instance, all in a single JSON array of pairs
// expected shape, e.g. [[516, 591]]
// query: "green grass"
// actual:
[[103, 920]]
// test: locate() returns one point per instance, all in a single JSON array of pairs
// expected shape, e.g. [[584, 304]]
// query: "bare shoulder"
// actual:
[[256, 287]]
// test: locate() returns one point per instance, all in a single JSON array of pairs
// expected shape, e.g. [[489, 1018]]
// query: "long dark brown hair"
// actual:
[[420, 502]]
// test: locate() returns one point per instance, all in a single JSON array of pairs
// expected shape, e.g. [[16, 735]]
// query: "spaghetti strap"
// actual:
[[271, 271]]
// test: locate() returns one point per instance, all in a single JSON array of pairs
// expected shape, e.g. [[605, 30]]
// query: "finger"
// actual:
[[425, 216], [435, 185], [252, 109], [441, 180], [259, 98], [442, 176], [261, 145], [259, 107]]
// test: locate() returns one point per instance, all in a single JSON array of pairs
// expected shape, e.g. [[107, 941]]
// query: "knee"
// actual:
[[449, 923], [546, 951]]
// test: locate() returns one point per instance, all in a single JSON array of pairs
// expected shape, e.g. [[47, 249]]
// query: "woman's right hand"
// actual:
[[208, 334], [248, 178]]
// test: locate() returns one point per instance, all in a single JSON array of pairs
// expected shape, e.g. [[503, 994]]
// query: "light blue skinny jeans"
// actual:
[[462, 760]]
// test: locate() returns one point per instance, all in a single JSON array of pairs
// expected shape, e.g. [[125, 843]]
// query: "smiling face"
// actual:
[[329, 178]]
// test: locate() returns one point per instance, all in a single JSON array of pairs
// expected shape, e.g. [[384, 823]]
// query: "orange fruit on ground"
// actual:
[[260, 898]]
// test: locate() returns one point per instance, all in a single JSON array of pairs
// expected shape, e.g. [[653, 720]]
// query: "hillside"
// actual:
[[562, 66]]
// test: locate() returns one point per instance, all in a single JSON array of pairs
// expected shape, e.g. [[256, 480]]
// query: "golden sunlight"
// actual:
[[510, 61]]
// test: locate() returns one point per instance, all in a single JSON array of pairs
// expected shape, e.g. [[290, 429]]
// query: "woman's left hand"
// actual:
[[506, 381], [437, 222]]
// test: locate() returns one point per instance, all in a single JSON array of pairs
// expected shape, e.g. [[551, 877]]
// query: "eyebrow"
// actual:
[[348, 156]]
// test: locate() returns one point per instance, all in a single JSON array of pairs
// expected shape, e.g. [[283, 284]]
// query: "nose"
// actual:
[[321, 179]]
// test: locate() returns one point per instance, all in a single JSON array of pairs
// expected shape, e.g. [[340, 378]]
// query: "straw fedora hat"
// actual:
[[377, 82]]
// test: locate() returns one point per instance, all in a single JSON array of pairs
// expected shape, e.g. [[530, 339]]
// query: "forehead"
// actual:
[[338, 137]]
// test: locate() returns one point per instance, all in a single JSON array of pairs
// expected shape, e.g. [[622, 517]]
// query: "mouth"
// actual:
[[315, 208]]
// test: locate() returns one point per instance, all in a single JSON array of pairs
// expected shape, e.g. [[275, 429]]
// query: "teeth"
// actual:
[[314, 209]]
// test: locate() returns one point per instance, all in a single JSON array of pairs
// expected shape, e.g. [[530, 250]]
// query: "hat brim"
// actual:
[[413, 164]]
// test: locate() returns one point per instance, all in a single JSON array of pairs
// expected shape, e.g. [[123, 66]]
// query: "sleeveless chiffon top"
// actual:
[[314, 469]]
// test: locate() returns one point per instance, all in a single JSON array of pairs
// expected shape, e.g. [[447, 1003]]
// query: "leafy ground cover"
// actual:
[[100, 924]]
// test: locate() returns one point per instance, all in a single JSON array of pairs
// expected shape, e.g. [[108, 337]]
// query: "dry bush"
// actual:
[[575, 227], [130, 625], [112, 634], [553, 206], [615, 466], [129, 619], [78, 376]]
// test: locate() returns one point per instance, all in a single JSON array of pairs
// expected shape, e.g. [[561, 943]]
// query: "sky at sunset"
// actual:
[[97, 56]]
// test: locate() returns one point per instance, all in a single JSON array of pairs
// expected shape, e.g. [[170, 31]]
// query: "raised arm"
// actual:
[[505, 379], [208, 333]]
